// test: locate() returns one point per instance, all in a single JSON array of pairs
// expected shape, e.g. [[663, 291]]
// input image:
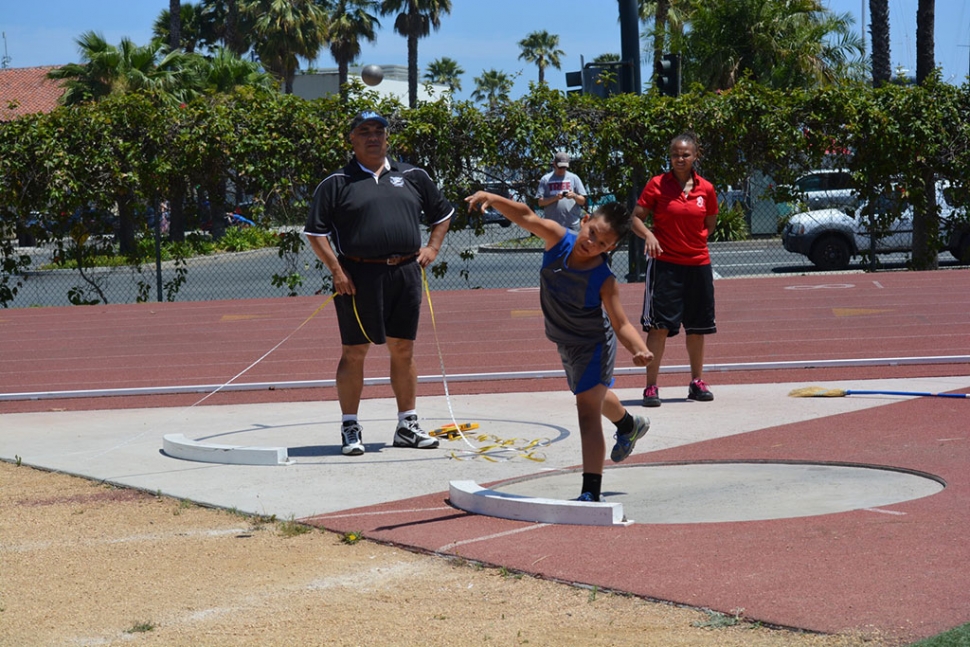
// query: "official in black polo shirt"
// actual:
[[366, 224]]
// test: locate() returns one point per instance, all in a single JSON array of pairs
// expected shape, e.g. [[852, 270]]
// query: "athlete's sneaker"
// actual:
[[651, 396], [626, 442], [352, 435], [410, 434], [698, 391], [586, 497]]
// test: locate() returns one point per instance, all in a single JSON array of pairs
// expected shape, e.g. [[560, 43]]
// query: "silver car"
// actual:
[[830, 238]]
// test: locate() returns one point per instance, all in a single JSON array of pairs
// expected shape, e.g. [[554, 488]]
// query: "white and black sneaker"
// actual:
[[410, 434], [352, 435]]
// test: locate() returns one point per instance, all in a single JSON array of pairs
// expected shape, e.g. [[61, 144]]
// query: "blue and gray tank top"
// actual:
[[570, 299]]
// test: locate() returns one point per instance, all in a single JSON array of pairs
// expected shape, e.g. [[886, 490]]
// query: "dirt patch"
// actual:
[[84, 563]]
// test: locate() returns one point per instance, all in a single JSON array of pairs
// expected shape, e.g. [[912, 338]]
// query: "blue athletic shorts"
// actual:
[[589, 365]]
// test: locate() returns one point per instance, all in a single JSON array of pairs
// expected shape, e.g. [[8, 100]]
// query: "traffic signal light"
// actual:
[[598, 79], [574, 80], [666, 77]]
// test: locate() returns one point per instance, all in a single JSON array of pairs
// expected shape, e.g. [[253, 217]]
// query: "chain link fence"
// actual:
[[821, 229]]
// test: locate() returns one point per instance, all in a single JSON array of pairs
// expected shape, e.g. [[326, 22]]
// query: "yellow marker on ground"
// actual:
[[451, 431]]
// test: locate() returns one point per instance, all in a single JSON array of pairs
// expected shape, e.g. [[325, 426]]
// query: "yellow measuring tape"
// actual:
[[497, 449]]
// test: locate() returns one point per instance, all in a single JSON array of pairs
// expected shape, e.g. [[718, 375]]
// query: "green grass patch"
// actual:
[[292, 528], [956, 637], [718, 620], [352, 537], [236, 239], [140, 628]]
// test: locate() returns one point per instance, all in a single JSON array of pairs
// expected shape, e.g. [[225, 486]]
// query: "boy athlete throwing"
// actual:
[[576, 286]]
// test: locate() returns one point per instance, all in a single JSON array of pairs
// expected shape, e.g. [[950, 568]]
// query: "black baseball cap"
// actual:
[[367, 115]]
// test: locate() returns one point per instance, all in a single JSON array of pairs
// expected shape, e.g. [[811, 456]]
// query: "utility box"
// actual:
[[764, 211]]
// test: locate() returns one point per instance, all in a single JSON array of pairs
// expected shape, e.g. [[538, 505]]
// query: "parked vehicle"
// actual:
[[830, 238], [44, 226], [820, 189]]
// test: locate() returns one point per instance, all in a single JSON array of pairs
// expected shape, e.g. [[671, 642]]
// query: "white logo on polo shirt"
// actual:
[[700, 201], [397, 181]]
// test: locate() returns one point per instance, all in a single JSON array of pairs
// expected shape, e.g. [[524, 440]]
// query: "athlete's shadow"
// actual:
[[312, 451]]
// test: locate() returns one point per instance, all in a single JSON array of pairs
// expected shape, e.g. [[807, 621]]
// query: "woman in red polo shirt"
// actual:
[[681, 207]]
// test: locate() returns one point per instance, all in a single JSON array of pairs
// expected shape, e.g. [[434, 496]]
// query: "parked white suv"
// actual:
[[821, 189], [831, 237]]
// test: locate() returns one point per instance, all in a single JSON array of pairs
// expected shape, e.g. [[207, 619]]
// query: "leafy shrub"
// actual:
[[731, 225], [241, 239]]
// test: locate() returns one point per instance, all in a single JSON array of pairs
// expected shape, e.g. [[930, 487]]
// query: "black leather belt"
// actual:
[[397, 259]]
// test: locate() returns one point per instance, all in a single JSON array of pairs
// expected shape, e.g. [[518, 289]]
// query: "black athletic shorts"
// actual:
[[679, 294], [388, 302]]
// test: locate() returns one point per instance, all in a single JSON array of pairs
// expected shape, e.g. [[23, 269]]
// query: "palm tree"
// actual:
[[107, 69], [175, 24], [881, 65], [668, 17], [445, 71], [225, 71], [542, 48], [349, 22], [223, 23], [492, 87], [781, 43], [190, 28], [415, 21], [609, 57], [285, 30]]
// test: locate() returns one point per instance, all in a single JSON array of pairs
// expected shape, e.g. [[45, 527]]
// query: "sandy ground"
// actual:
[[84, 563]]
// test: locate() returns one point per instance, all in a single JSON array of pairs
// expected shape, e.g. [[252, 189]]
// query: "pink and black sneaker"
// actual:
[[698, 391]]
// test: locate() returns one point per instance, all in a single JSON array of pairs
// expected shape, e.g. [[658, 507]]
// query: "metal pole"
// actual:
[[630, 82], [630, 46], [158, 251]]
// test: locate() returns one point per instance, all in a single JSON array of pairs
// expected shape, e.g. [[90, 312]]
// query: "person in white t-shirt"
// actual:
[[561, 194]]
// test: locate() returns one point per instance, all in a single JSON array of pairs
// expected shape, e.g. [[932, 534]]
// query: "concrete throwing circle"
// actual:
[[711, 492]]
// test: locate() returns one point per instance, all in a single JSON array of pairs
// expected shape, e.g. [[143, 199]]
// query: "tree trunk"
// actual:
[[925, 218], [925, 47], [126, 224], [217, 208], [342, 74], [231, 38], [175, 24], [660, 30], [412, 70], [176, 206], [926, 227], [881, 65]]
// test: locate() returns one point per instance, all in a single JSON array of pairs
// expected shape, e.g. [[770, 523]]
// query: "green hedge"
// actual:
[[125, 153]]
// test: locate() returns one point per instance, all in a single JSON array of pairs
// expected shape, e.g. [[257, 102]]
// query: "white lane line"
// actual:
[[463, 542], [376, 513], [894, 512], [478, 377]]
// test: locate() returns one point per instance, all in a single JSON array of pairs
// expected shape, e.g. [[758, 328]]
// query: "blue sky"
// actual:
[[479, 34]]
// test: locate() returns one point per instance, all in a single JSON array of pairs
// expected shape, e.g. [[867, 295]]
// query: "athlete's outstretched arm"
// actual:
[[548, 230]]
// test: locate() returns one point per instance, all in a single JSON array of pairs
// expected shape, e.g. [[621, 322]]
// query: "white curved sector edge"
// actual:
[[178, 446], [471, 497]]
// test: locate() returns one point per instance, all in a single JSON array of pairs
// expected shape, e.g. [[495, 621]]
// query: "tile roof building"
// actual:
[[26, 90]]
